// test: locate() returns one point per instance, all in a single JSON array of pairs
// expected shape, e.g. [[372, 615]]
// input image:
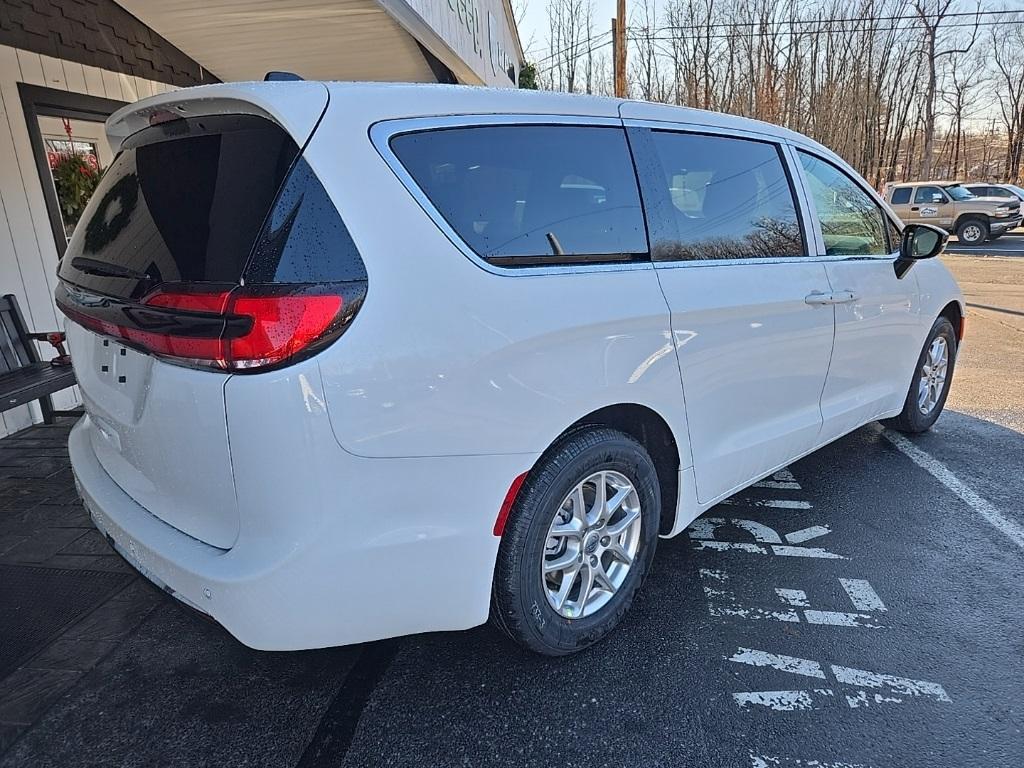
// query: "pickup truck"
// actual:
[[953, 207]]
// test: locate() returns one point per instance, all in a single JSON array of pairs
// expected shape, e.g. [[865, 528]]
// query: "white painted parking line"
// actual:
[[771, 503], [723, 602], [784, 551], [841, 619], [779, 485], [792, 665], [782, 701], [794, 597], [771, 761], [862, 595], [703, 531], [900, 686], [871, 688], [1013, 530], [806, 534], [722, 546]]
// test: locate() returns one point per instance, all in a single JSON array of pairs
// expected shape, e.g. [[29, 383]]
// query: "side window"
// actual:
[[529, 195], [852, 224], [900, 196], [932, 195], [712, 197], [999, 192]]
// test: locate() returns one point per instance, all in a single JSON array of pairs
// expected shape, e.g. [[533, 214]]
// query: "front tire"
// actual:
[[972, 232], [930, 385], [578, 542]]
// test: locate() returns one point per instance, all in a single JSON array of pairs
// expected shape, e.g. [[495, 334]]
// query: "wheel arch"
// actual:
[[650, 429], [984, 218], [954, 312]]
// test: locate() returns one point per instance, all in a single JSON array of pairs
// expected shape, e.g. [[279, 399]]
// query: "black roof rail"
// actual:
[[280, 76]]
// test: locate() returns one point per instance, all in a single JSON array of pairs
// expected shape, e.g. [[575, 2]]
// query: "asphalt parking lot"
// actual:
[[1010, 244], [862, 608]]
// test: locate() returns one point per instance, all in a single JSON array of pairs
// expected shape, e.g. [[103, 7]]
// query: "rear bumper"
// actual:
[[409, 550]]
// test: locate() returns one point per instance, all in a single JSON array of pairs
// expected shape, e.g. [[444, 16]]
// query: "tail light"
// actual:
[[241, 329]]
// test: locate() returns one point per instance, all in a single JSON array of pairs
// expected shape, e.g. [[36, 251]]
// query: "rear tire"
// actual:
[[972, 232], [930, 385], [559, 538]]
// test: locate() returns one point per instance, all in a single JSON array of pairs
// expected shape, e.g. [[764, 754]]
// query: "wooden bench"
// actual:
[[23, 376]]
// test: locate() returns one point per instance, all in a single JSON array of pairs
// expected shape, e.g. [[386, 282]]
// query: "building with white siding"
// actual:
[[65, 65]]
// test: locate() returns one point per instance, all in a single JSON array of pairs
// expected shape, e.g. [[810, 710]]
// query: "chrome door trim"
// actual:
[[382, 132]]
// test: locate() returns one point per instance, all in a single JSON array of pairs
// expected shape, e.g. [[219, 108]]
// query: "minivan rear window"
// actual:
[[532, 194], [184, 201]]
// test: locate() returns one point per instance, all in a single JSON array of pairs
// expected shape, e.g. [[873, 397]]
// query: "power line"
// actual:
[[595, 48], [640, 33], [644, 34], [835, 20], [571, 47]]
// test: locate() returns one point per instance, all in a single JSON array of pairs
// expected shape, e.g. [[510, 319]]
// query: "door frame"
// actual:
[[36, 102]]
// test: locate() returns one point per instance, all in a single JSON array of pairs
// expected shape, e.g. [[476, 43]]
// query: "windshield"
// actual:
[[958, 193], [1018, 191]]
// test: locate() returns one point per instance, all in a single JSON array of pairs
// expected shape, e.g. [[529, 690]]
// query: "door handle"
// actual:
[[916, 208], [817, 298]]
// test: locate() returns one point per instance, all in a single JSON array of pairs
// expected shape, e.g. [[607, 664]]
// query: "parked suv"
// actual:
[[366, 360], [956, 209]]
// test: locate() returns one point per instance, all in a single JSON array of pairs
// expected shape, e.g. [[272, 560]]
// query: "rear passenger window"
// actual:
[[532, 195], [900, 196], [852, 223], [719, 198]]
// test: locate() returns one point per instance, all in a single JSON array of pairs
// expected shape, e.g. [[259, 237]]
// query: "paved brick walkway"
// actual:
[[44, 525]]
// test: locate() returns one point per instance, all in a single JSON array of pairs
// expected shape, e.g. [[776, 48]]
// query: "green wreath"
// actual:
[[75, 180], [99, 231]]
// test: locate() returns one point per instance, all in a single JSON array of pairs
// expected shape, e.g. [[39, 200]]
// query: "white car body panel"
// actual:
[[183, 476], [730, 326], [352, 496], [875, 334]]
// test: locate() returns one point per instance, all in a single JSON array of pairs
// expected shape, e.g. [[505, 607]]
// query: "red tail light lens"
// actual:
[[238, 329], [282, 326]]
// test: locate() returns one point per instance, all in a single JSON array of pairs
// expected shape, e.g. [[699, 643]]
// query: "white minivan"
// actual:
[[366, 360]]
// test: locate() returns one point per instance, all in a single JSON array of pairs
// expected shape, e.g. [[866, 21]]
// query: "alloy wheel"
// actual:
[[933, 375], [591, 544]]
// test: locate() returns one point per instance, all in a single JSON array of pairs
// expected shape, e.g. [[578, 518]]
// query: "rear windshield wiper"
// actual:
[[106, 269]]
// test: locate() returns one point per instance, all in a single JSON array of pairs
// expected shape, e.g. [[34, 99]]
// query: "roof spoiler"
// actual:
[[297, 109]]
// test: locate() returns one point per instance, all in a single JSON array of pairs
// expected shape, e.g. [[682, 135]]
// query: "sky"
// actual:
[[534, 26]]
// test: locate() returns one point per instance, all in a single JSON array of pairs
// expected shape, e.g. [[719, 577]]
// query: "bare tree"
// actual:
[[1008, 55], [570, 33], [891, 85], [931, 16]]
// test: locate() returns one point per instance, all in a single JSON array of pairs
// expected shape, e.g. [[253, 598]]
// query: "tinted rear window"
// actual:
[[183, 202], [531, 194], [900, 196]]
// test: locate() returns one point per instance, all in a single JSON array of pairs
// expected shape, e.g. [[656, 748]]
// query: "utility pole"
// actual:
[[619, 48]]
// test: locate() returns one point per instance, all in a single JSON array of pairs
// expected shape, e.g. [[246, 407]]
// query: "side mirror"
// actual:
[[919, 241], [937, 198]]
